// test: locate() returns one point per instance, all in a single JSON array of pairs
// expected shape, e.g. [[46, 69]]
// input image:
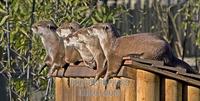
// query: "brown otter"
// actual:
[[92, 43], [71, 54], [86, 55], [54, 45], [65, 29], [149, 46]]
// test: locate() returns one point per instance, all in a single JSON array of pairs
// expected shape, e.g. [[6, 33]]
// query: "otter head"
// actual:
[[103, 31], [43, 27], [67, 28]]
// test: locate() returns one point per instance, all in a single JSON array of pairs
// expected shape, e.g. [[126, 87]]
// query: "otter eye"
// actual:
[[35, 27], [70, 27], [106, 27], [52, 27]]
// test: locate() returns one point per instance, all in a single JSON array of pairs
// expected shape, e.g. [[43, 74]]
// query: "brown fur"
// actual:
[[71, 54], [92, 43], [72, 26], [83, 50], [54, 45], [148, 45]]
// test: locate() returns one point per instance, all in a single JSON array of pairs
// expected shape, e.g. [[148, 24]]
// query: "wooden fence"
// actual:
[[138, 80]]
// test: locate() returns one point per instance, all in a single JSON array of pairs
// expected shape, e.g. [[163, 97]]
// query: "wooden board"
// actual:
[[79, 89]]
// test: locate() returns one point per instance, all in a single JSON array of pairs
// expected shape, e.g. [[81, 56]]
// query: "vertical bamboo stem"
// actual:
[[8, 51]]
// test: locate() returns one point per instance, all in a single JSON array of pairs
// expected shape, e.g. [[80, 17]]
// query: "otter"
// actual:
[[92, 43], [146, 45], [71, 54], [54, 45], [86, 55]]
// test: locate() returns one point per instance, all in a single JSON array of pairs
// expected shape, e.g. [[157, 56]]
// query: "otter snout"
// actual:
[[35, 30]]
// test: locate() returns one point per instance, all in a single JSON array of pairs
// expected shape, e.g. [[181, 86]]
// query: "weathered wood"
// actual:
[[75, 71], [141, 83], [126, 71], [128, 88], [193, 93], [195, 76], [158, 64], [172, 90], [175, 76], [59, 89], [147, 61], [118, 89], [148, 86], [83, 71]]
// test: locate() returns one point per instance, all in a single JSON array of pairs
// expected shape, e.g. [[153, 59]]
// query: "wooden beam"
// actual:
[[75, 71], [166, 73], [147, 86]]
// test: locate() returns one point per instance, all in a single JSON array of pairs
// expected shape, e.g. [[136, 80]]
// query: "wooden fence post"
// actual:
[[58, 91], [193, 93], [172, 90], [147, 86]]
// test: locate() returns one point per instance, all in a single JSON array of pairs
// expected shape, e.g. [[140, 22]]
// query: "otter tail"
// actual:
[[179, 63]]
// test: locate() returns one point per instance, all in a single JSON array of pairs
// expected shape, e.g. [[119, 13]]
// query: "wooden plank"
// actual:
[[171, 69], [173, 90], [158, 64], [79, 89], [126, 71], [147, 86], [75, 71], [59, 89], [193, 93], [195, 76], [165, 73], [147, 61]]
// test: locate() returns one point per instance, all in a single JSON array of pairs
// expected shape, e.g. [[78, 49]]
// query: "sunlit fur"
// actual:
[[81, 47], [71, 53], [54, 45], [147, 45]]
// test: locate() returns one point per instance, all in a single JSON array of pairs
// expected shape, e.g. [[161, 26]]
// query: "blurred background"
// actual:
[[22, 53]]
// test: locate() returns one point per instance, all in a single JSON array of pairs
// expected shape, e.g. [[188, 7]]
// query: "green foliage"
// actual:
[[19, 17], [86, 12], [190, 19]]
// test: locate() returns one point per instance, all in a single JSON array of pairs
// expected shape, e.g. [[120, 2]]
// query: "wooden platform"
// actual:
[[138, 80]]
